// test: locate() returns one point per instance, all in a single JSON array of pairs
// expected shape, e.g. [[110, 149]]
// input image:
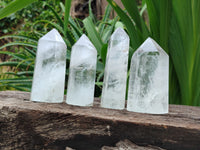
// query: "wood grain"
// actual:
[[30, 125]]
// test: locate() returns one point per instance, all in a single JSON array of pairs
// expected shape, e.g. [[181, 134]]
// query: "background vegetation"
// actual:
[[174, 24]]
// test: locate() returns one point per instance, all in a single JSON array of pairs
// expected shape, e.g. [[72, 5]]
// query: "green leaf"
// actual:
[[73, 24], [73, 36], [58, 27], [196, 52], [56, 14], [131, 7], [135, 39], [32, 52], [93, 34], [67, 13], [99, 83], [90, 11], [14, 55], [16, 80], [62, 7], [100, 66], [144, 7], [20, 73], [180, 42], [55, 25], [19, 43], [14, 6], [107, 32], [15, 64], [104, 53], [75, 32], [130, 54], [68, 55], [100, 76], [21, 37], [174, 86], [23, 87], [153, 7], [105, 18], [165, 18]]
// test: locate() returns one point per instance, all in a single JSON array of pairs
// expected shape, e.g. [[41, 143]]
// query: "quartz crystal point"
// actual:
[[115, 74], [82, 73], [49, 74], [148, 83]]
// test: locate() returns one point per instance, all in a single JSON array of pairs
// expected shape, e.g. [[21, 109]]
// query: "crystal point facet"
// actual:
[[82, 73], [49, 74], [148, 82], [115, 74], [52, 35]]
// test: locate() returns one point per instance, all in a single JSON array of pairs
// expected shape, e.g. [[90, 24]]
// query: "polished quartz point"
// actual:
[[115, 74], [148, 83], [49, 74], [82, 73]]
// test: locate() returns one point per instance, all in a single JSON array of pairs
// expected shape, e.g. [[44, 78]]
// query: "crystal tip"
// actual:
[[119, 35], [53, 35], [151, 45], [84, 40], [150, 42]]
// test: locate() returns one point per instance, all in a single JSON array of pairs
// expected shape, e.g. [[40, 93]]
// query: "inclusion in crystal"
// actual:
[[82, 73], [115, 74], [49, 74], [148, 83]]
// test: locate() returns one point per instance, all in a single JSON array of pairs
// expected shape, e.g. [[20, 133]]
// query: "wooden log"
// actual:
[[30, 125], [128, 145]]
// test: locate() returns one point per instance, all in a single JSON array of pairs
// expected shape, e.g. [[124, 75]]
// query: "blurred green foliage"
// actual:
[[174, 24], [22, 21], [25, 43]]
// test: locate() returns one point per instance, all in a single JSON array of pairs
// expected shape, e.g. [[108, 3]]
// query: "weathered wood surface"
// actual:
[[31, 125], [128, 145]]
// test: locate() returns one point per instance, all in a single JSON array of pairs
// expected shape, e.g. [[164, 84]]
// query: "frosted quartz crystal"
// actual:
[[148, 83], [115, 74], [82, 73], [49, 73]]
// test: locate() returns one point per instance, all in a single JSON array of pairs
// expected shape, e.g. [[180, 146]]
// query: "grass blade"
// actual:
[[66, 18], [56, 14], [14, 6], [16, 64], [107, 32], [21, 88], [19, 43], [20, 73], [14, 55], [104, 53], [75, 27], [33, 53], [21, 37], [105, 18], [58, 27]]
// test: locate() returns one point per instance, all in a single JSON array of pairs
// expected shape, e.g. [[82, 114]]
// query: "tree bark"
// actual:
[[32, 125]]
